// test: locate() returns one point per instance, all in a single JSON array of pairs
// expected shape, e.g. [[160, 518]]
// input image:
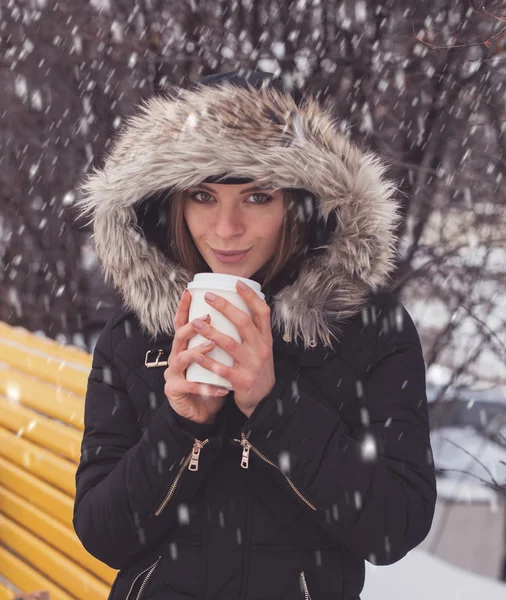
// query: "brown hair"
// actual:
[[293, 239]]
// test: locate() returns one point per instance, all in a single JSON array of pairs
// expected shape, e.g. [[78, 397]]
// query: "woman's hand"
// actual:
[[252, 375], [198, 402]]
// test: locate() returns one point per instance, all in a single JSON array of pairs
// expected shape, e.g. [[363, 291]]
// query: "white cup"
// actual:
[[223, 285]]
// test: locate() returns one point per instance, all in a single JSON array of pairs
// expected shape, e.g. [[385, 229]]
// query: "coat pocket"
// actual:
[[140, 582]]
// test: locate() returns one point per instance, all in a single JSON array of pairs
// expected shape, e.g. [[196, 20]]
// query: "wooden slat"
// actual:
[[47, 345], [42, 463], [6, 593], [53, 533], [46, 398], [26, 578], [39, 429], [72, 578], [42, 388], [39, 493], [35, 362]]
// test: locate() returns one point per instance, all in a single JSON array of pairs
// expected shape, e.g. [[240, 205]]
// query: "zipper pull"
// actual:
[[194, 461], [246, 446]]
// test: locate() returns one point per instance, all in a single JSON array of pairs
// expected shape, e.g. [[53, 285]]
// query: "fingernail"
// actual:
[[208, 343], [242, 286], [199, 358], [197, 323], [222, 391], [210, 296]]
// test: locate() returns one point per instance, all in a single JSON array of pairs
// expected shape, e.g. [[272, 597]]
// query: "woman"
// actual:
[[319, 459]]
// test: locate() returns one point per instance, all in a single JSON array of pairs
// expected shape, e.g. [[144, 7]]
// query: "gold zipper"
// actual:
[[307, 595], [192, 462], [150, 569], [246, 447]]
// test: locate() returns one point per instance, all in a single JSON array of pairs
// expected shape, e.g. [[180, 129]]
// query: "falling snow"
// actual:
[[72, 75]]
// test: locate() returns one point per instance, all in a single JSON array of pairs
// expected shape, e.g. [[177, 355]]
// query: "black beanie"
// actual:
[[227, 180]]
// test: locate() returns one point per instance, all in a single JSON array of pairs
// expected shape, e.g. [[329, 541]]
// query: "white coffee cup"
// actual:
[[222, 285]]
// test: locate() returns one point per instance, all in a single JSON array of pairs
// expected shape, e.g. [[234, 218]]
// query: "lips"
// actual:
[[230, 252], [231, 258]]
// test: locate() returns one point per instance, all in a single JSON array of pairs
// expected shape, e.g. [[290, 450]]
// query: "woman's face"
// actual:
[[235, 217]]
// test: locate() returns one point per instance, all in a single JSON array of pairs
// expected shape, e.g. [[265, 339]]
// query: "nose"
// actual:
[[229, 222]]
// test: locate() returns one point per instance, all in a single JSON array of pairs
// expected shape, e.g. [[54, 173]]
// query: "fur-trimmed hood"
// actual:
[[177, 141]]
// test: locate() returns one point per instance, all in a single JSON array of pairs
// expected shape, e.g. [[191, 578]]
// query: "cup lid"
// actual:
[[223, 281]]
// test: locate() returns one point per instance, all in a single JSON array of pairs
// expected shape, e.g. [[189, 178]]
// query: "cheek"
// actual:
[[268, 230], [192, 220], [275, 226], [275, 231]]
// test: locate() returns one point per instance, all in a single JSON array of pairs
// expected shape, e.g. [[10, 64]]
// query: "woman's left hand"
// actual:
[[252, 375]]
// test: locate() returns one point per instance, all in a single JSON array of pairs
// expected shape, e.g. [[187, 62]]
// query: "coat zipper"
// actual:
[[307, 595], [246, 447], [192, 462], [150, 571]]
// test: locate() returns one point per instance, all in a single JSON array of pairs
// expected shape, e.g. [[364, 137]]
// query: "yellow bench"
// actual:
[[42, 387]]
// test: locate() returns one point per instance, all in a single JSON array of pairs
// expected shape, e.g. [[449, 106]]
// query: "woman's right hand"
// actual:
[[198, 402]]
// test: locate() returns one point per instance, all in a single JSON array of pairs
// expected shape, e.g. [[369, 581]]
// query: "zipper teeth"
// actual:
[[290, 482], [307, 595], [139, 575], [174, 485], [151, 569]]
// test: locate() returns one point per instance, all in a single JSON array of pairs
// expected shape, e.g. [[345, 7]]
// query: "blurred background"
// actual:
[[421, 83]]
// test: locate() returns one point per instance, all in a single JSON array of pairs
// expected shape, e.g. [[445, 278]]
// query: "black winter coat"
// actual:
[[334, 466], [340, 470]]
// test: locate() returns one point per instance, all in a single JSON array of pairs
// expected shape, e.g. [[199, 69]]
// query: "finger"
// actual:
[[186, 357], [207, 389], [184, 334], [178, 362], [183, 309], [230, 345], [182, 386], [219, 368], [245, 326], [262, 319], [259, 308]]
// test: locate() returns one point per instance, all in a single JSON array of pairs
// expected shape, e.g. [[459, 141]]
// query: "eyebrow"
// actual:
[[255, 188]]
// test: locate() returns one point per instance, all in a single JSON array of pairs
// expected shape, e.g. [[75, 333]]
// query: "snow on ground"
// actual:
[[420, 576]]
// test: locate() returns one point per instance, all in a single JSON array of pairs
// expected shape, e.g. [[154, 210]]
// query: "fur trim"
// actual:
[[171, 142]]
